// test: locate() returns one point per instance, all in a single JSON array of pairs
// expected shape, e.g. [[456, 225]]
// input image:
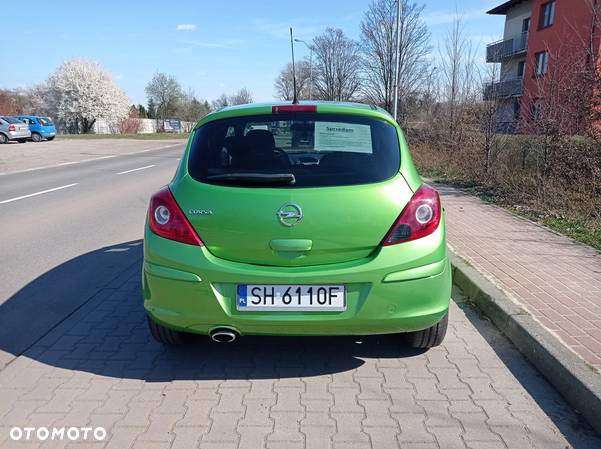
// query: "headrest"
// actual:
[[260, 140]]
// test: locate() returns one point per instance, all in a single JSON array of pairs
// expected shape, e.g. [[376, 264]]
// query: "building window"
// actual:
[[542, 63], [516, 110], [521, 69], [526, 25], [547, 14]]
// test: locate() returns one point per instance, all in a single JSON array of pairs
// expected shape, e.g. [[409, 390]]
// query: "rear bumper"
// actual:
[[15, 135], [402, 288]]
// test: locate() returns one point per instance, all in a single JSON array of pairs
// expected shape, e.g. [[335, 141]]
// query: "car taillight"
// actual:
[[167, 220], [12, 128], [420, 217]]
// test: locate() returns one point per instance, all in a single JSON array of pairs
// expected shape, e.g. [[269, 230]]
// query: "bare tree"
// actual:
[[337, 66], [242, 96], [130, 124], [459, 77], [378, 47], [191, 108], [165, 93], [284, 85], [488, 118], [220, 103], [562, 103], [33, 100]]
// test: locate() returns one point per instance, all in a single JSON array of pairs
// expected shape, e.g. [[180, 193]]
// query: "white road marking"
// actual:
[[37, 193], [136, 169], [89, 160]]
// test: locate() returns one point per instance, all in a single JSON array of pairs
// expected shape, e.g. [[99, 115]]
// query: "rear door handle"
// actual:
[[291, 245]]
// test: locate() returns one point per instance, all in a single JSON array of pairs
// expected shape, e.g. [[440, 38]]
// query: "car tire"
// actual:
[[36, 137], [3, 138], [430, 337], [21, 140], [50, 138], [165, 335]]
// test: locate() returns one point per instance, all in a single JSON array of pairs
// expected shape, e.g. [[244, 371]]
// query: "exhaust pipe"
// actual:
[[223, 335]]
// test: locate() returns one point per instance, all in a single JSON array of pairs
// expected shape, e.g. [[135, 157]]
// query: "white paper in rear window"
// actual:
[[351, 137]]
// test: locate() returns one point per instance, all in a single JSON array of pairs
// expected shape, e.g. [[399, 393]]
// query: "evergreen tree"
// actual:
[[152, 109], [142, 113]]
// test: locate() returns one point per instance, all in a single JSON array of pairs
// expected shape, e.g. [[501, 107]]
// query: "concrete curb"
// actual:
[[576, 381]]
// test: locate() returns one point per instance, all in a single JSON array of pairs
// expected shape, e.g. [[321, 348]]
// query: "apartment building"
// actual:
[[536, 33]]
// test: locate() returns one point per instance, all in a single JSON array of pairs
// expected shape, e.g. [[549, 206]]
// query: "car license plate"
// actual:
[[300, 298]]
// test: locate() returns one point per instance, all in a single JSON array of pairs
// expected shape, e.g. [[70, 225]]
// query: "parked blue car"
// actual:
[[40, 127]]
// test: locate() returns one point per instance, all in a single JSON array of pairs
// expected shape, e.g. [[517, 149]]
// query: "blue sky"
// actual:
[[219, 46]]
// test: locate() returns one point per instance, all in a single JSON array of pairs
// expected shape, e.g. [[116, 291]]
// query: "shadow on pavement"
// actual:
[[87, 314], [46, 301]]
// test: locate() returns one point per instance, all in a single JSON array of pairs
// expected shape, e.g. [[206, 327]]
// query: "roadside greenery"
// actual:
[[571, 204]]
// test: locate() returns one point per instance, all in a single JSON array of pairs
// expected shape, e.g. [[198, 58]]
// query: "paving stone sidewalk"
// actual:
[[557, 279], [100, 367]]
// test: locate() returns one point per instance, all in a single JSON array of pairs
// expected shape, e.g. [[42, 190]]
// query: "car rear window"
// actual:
[[294, 150], [45, 121], [12, 120]]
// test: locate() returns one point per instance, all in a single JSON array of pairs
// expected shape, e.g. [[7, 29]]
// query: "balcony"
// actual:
[[498, 51], [503, 89]]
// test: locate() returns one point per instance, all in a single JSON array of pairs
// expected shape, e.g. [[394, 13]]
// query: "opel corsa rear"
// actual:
[[302, 219]]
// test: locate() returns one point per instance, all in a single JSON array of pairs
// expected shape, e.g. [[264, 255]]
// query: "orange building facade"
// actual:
[[539, 36]]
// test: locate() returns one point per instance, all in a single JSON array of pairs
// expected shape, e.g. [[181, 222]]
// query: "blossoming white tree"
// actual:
[[81, 92]]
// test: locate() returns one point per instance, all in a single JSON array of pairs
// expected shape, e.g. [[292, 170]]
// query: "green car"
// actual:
[[296, 219]]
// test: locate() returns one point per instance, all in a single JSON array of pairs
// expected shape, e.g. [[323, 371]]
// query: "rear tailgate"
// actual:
[[338, 224]]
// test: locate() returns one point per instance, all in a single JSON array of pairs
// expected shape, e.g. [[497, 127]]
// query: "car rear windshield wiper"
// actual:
[[255, 178]]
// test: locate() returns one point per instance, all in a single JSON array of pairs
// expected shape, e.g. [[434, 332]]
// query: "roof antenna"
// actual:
[[294, 98]]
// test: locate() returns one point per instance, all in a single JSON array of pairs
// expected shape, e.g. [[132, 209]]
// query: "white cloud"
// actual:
[[185, 27]]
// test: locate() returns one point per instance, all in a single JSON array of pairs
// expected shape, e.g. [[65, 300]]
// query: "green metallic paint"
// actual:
[[425, 271], [390, 289], [392, 306], [244, 222]]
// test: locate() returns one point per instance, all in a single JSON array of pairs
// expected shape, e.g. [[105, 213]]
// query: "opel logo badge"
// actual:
[[290, 214]]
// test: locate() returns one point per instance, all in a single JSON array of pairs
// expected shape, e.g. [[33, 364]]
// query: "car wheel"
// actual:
[[36, 137], [3, 139], [431, 337], [165, 335], [22, 140], [50, 138]]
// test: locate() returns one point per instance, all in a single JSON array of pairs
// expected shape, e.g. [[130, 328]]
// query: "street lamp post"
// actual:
[[310, 47]]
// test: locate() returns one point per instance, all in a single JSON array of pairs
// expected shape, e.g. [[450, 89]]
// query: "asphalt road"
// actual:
[[50, 216]]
